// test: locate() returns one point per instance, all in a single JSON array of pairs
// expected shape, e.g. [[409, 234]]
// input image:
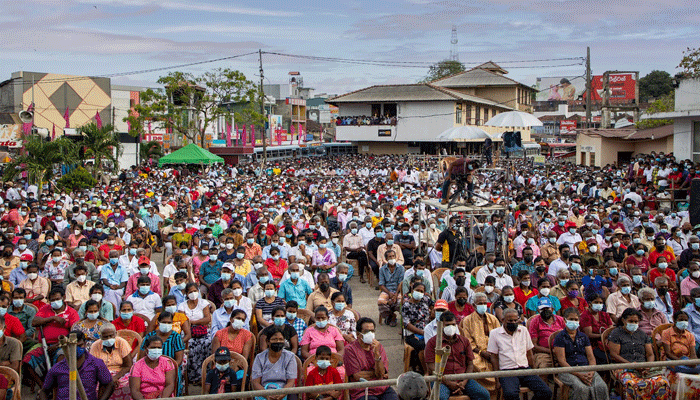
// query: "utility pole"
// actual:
[[588, 87], [262, 109]]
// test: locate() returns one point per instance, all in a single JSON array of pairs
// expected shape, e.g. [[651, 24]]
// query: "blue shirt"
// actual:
[[179, 296], [533, 301], [282, 250], [17, 275], [211, 273], [152, 222], [694, 319], [114, 277], [391, 280], [299, 292]]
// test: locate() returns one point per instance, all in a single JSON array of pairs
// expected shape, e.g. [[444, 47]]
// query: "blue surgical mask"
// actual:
[[144, 289], [682, 325], [127, 315], [597, 307], [572, 325], [500, 270], [132, 251], [155, 354], [323, 364], [321, 324], [279, 321], [632, 327], [390, 242], [481, 308], [626, 289]]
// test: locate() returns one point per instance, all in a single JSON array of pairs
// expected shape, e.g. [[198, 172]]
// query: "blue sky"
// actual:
[[95, 37]]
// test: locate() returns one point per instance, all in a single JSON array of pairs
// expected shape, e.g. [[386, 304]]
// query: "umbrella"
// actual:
[[514, 119], [462, 133]]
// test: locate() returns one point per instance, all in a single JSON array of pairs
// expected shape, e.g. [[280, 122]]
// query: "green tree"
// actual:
[[40, 158], [189, 104], [663, 104], [691, 63], [655, 85], [101, 144], [442, 69], [150, 150]]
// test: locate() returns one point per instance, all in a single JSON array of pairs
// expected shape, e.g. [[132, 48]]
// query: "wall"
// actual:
[[382, 148], [647, 146], [507, 96], [607, 152], [354, 109], [129, 155], [422, 121], [683, 138], [585, 140], [688, 95], [122, 104]]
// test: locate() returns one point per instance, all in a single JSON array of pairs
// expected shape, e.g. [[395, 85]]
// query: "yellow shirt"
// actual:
[[77, 294]]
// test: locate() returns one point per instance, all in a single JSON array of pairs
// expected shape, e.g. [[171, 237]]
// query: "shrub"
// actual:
[[79, 178]]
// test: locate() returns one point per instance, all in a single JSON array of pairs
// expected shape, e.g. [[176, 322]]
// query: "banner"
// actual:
[[560, 88], [622, 88], [567, 127], [10, 135]]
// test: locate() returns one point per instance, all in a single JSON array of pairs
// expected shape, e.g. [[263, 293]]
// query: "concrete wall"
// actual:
[[647, 146], [365, 132], [354, 109], [584, 141], [129, 155], [688, 95], [683, 138], [122, 105], [380, 148], [423, 121]]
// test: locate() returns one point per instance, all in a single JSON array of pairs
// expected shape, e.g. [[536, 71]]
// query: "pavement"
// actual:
[[364, 302]]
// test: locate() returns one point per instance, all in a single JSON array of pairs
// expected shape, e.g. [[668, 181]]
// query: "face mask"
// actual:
[[511, 326], [165, 328], [323, 364], [563, 282], [572, 231], [237, 292], [572, 325], [18, 303], [171, 309], [92, 316], [126, 315], [249, 241], [276, 347], [488, 289], [546, 314], [481, 308], [342, 277], [593, 249], [637, 279], [613, 271], [632, 327], [109, 342], [229, 303], [321, 324], [181, 286], [155, 354], [269, 293], [540, 269], [544, 292], [649, 305], [97, 297], [509, 299], [225, 276], [573, 294], [597, 307], [695, 246], [57, 304], [663, 265], [418, 296], [682, 325], [626, 289], [222, 367], [391, 262], [525, 283], [144, 289], [450, 330], [500, 270]]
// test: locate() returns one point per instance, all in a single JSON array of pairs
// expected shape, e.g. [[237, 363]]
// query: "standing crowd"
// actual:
[[578, 266]]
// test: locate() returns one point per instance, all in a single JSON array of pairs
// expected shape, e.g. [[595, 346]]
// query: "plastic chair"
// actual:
[[335, 360], [559, 386], [134, 340], [13, 381], [237, 362], [604, 341], [657, 344], [436, 275], [300, 372]]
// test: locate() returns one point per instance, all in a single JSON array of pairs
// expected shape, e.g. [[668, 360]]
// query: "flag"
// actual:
[[243, 137], [299, 132], [252, 135], [27, 127], [53, 132], [244, 134], [228, 134], [292, 131], [66, 116], [98, 120]]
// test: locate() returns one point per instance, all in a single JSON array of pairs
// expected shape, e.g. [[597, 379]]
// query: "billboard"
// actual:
[[10, 135], [622, 88], [567, 127], [560, 88]]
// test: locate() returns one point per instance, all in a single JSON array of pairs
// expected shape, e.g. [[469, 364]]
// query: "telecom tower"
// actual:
[[454, 54]]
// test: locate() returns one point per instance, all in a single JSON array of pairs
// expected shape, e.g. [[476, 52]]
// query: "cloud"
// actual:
[[209, 7]]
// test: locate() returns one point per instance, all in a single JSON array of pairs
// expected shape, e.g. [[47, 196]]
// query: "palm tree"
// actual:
[[40, 158], [151, 150], [100, 144]]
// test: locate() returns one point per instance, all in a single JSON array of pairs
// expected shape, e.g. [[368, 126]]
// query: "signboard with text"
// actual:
[[567, 127], [622, 88], [10, 135]]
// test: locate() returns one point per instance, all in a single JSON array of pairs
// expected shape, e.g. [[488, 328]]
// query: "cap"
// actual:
[[545, 302], [228, 266], [26, 257], [144, 260], [222, 354], [441, 304], [411, 386]]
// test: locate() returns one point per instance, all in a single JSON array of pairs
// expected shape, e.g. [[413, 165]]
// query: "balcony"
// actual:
[[366, 132]]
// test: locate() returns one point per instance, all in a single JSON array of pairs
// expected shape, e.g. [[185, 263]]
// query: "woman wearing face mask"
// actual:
[[276, 266], [629, 344], [114, 351], [180, 325], [573, 298], [274, 367], [679, 344], [342, 318], [235, 336], [92, 323], [127, 320], [594, 321], [638, 259], [173, 345], [180, 237], [153, 376], [507, 300], [264, 306], [572, 348], [291, 337], [322, 333], [106, 308], [242, 266], [55, 267], [323, 260], [200, 258]]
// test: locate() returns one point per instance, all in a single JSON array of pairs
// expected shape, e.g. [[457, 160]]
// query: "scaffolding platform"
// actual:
[[470, 209]]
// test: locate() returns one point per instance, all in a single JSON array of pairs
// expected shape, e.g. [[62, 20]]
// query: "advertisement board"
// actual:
[[562, 88], [10, 135], [275, 123], [567, 127], [384, 132], [622, 88]]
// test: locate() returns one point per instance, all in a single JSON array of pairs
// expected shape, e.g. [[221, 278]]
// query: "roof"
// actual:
[[490, 65], [410, 92], [190, 154], [477, 76], [631, 133]]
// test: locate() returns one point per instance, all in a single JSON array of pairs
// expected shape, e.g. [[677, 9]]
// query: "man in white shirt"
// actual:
[[366, 232], [634, 196], [560, 263], [570, 238]]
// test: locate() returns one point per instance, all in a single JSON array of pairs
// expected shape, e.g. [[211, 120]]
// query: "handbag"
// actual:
[[199, 331]]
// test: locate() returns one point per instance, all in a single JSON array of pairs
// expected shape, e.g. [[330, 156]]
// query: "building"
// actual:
[[399, 119], [686, 120], [58, 99], [600, 147]]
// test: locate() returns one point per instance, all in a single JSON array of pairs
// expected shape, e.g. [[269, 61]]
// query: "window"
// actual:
[[591, 159], [493, 113], [477, 116], [468, 113], [458, 113], [376, 110], [390, 110]]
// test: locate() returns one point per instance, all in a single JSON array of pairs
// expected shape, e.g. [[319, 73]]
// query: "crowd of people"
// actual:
[[365, 120], [582, 266]]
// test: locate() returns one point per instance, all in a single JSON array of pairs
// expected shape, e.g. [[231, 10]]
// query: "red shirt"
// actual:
[[276, 270], [667, 254], [468, 309], [655, 273], [314, 378], [567, 303], [137, 325], [13, 326], [521, 297], [54, 329]]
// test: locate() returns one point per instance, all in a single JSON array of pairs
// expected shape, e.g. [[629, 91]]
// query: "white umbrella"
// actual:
[[462, 133], [514, 119]]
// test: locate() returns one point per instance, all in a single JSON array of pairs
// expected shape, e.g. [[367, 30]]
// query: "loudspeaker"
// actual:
[[694, 209]]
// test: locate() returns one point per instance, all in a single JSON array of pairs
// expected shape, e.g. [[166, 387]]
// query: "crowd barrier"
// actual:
[[432, 378]]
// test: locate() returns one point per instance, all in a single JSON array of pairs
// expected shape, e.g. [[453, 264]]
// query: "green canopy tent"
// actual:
[[190, 154]]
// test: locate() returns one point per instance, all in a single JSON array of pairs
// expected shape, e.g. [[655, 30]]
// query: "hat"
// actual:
[[591, 241], [441, 304], [26, 257], [222, 354], [544, 303], [411, 386], [228, 266], [144, 260], [619, 231]]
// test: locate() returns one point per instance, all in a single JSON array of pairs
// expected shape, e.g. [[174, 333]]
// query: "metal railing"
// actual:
[[432, 378]]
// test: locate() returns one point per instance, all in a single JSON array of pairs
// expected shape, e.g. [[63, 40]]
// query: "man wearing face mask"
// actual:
[[560, 263], [617, 302], [447, 242], [365, 359], [144, 300], [690, 282], [511, 347], [540, 328], [459, 361], [93, 372]]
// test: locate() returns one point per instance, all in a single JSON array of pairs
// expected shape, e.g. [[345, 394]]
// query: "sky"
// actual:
[[105, 37]]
